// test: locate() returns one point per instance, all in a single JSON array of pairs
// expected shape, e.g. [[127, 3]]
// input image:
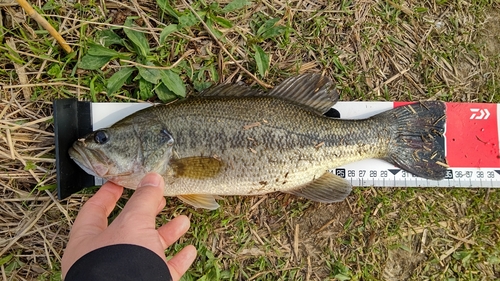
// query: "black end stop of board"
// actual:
[[72, 120]]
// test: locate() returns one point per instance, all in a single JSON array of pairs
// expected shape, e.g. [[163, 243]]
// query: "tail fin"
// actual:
[[417, 141]]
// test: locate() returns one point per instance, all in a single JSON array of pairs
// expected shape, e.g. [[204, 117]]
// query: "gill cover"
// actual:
[[155, 148]]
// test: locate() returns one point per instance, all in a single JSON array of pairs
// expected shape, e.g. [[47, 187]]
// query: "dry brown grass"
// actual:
[[31, 219], [376, 50]]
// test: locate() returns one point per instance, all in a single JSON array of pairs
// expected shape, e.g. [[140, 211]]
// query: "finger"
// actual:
[[173, 230], [93, 217], [181, 262], [162, 204], [143, 205]]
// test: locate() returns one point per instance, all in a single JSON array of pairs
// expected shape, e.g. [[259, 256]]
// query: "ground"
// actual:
[[374, 50]]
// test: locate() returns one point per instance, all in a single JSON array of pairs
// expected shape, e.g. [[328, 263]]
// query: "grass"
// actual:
[[385, 50]]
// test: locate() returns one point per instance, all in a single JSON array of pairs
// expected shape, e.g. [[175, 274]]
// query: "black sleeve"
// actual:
[[119, 262]]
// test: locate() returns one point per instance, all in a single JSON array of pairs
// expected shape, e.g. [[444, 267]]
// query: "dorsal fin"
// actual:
[[311, 90], [230, 90]]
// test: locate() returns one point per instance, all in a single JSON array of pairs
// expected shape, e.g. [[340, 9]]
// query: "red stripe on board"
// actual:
[[471, 135], [401, 103]]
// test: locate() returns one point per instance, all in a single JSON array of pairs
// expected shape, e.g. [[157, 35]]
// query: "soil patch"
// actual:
[[490, 35], [401, 264]]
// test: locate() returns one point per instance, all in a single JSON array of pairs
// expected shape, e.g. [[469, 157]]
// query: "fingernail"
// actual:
[[150, 179]]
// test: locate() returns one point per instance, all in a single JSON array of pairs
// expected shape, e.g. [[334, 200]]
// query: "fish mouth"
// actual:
[[85, 157]]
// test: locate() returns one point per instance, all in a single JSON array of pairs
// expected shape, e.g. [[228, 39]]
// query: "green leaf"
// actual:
[[214, 30], [214, 8], [273, 32], [93, 89], [493, 260], [151, 75], [145, 89], [269, 29], [101, 51], [463, 256], [166, 31], [51, 5], [223, 22], [90, 62], [420, 10], [6, 259], [262, 60], [47, 187], [173, 82], [235, 5], [199, 86], [342, 277], [188, 19], [165, 7], [138, 38], [55, 71], [164, 94], [29, 166], [108, 37], [116, 81], [267, 25]]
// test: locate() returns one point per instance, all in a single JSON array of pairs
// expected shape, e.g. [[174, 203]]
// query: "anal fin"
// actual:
[[204, 201], [328, 188]]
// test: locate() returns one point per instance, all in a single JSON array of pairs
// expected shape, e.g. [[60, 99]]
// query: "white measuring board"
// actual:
[[471, 141]]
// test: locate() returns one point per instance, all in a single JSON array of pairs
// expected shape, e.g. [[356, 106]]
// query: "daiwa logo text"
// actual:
[[479, 114]]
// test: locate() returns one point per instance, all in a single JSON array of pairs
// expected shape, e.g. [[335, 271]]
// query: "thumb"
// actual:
[[148, 199]]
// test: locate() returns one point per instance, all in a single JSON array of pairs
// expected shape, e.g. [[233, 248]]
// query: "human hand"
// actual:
[[134, 225]]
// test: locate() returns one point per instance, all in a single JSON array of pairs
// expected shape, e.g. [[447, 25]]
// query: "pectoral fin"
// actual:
[[196, 167], [200, 201], [328, 188]]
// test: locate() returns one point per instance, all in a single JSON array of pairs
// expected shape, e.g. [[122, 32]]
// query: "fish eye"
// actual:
[[101, 137]]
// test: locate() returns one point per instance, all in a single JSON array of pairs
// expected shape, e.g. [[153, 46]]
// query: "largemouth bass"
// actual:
[[235, 140]]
